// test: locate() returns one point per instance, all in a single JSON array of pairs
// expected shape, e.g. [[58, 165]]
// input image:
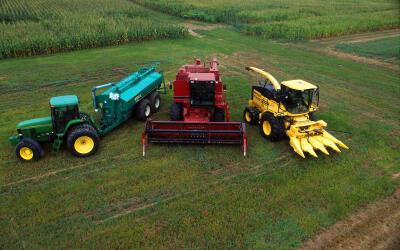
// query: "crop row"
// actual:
[[49, 26]]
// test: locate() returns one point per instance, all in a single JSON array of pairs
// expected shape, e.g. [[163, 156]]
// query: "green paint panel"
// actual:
[[62, 101], [35, 122]]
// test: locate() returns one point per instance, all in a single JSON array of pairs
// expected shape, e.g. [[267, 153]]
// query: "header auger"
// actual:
[[288, 108]]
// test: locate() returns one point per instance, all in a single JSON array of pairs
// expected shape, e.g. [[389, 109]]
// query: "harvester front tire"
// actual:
[[272, 127], [83, 140], [176, 112], [250, 115], [219, 115], [28, 150], [312, 116], [155, 101], [143, 110]]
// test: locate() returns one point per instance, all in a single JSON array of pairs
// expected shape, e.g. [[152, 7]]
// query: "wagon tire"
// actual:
[[143, 110], [155, 101], [83, 140]]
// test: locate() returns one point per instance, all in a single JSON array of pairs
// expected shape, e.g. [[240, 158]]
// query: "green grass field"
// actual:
[[387, 49], [291, 20], [181, 196], [48, 26]]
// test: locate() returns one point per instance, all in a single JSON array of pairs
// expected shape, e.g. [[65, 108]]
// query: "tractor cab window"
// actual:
[[62, 115], [315, 98], [297, 101]]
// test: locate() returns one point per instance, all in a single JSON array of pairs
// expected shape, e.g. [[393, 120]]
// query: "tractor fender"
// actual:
[[38, 146], [72, 123]]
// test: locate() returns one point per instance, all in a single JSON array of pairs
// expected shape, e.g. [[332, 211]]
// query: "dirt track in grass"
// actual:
[[375, 227], [327, 46]]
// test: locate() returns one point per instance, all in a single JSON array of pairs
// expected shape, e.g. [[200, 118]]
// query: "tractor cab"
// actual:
[[299, 96], [63, 110]]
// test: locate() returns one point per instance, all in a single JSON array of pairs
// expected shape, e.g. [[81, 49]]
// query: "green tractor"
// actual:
[[65, 123]]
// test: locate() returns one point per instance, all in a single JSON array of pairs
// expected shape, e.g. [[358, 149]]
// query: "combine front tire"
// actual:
[[250, 115], [271, 127], [82, 140], [143, 110], [155, 101], [219, 115], [28, 150], [176, 112]]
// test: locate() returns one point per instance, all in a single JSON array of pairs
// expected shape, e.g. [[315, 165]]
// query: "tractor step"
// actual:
[[194, 132], [56, 145]]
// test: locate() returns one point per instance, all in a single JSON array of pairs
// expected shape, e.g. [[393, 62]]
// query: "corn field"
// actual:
[[287, 19], [32, 27]]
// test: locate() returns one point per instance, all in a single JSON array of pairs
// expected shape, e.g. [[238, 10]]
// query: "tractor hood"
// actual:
[[37, 122]]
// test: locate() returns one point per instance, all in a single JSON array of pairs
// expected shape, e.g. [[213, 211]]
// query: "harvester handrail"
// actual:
[[272, 79]]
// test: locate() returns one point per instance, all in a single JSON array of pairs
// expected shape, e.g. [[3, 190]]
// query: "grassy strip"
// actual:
[[387, 49]]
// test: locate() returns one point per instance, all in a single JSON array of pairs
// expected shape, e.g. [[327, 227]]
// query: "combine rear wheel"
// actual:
[[250, 115], [82, 140], [155, 101], [176, 112], [143, 110], [271, 127]]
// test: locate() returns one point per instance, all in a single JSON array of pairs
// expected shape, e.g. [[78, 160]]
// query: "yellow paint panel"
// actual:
[[299, 85]]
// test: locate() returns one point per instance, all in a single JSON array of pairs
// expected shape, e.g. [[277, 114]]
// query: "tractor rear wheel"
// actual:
[[143, 110], [176, 112], [28, 150], [155, 101], [83, 140], [250, 115], [271, 127], [219, 115]]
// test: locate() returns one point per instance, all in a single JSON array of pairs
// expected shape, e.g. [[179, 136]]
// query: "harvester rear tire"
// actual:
[[83, 140], [155, 101], [219, 115], [272, 127], [176, 112], [28, 150], [250, 115], [143, 110]]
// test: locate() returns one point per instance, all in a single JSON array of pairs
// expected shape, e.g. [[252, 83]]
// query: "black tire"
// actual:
[[176, 112], [82, 140], [312, 116], [219, 115], [143, 110], [250, 115], [28, 150], [155, 101], [276, 128]]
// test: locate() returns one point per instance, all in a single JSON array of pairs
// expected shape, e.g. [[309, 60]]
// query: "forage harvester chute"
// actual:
[[288, 108]]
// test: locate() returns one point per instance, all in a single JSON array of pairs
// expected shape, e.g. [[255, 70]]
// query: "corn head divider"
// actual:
[[194, 132]]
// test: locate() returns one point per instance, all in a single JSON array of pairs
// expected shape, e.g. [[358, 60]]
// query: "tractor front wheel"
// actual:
[[83, 140], [28, 150], [271, 127], [143, 110]]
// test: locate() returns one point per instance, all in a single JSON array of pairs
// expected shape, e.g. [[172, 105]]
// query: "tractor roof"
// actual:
[[299, 85], [62, 101]]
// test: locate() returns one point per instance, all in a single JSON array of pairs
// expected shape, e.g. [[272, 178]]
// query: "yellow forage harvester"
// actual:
[[288, 109]]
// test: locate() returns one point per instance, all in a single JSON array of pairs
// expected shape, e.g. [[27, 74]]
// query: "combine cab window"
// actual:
[[202, 93], [62, 115]]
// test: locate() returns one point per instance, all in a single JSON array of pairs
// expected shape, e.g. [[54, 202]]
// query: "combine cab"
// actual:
[[289, 110], [200, 112]]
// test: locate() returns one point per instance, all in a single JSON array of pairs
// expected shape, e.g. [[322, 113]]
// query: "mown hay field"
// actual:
[[291, 20], [32, 27]]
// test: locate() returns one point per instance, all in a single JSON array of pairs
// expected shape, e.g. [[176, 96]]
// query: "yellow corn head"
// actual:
[[288, 109]]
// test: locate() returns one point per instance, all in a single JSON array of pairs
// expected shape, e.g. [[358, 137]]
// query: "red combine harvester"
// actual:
[[198, 112]]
